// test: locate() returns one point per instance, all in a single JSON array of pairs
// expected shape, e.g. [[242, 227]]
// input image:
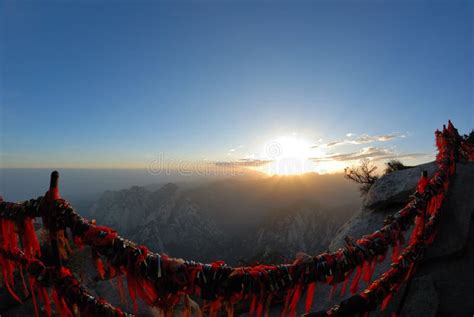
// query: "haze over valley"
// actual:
[[247, 218]]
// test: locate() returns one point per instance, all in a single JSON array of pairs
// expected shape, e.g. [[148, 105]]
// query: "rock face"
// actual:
[[450, 260], [444, 282], [457, 215]]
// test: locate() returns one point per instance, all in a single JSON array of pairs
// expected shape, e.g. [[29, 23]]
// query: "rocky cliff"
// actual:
[[444, 283]]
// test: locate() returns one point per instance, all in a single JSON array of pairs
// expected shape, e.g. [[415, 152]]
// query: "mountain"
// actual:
[[303, 227], [164, 220], [248, 201], [231, 219]]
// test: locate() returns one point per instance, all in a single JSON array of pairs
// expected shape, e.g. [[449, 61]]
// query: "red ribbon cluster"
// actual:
[[67, 293], [432, 192], [163, 281]]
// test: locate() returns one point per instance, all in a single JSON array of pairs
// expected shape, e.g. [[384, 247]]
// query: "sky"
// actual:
[[126, 84]]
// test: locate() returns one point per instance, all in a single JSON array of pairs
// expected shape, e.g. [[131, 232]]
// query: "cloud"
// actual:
[[388, 137], [368, 139], [371, 152], [334, 143], [363, 139], [244, 163]]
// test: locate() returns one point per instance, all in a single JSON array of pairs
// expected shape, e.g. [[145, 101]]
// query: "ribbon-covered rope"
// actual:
[[67, 293], [433, 191]]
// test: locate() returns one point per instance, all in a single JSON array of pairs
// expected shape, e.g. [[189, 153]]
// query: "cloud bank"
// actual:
[[363, 139], [371, 152]]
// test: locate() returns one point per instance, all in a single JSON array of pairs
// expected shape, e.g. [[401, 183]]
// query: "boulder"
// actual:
[[393, 189]]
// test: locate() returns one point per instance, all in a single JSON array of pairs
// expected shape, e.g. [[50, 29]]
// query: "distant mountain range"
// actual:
[[240, 220]]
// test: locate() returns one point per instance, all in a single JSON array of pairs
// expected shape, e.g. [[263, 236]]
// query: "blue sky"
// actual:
[[113, 84]]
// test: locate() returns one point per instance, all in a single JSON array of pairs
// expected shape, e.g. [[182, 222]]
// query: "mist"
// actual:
[[81, 184]]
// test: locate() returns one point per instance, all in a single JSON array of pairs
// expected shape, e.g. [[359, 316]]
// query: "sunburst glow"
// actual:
[[292, 155]]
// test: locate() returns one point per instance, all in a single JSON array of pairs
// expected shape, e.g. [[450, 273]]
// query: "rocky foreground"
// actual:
[[444, 282]]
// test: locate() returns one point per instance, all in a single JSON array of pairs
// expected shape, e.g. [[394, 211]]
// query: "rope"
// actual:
[[64, 283]]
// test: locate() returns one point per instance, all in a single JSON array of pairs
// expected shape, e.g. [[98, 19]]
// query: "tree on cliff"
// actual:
[[364, 174]]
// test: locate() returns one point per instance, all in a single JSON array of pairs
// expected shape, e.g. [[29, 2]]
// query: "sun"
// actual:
[[294, 155], [289, 155], [288, 147]]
